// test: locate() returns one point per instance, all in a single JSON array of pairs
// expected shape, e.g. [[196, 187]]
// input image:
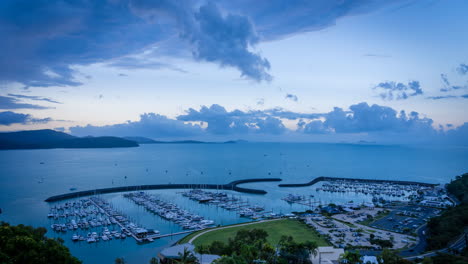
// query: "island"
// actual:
[[49, 139]]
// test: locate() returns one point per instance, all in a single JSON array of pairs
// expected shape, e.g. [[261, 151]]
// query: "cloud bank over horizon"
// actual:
[[361, 122]]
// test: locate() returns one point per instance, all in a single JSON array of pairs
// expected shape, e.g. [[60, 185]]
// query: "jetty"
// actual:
[[117, 222], [332, 179], [232, 186]]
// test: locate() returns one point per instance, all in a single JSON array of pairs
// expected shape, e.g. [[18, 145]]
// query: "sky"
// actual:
[[265, 70]]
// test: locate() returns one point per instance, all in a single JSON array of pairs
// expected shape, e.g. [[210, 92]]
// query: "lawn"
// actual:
[[275, 229]]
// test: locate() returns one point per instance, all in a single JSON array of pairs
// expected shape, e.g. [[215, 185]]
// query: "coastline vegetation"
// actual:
[[252, 246], [29, 245], [452, 222]]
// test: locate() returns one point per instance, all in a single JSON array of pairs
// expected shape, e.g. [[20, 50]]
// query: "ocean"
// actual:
[[28, 177]]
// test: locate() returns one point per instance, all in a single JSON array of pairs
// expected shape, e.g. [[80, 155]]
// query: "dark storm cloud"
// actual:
[[390, 90], [8, 118], [42, 40]]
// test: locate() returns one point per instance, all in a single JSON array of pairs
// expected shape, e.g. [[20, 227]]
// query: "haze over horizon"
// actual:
[[307, 71]]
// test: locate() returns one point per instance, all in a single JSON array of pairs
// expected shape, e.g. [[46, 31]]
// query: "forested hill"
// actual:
[[45, 139]]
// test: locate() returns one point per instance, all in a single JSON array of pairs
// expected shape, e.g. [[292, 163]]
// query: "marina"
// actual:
[[170, 211], [95, 216], [230, 203]]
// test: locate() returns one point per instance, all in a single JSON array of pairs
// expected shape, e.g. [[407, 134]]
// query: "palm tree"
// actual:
[[351, 257], [153, 260], [187, 257]]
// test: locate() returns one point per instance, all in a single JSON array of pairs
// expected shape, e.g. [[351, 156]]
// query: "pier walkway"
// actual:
[[232, 186], [118, 223]]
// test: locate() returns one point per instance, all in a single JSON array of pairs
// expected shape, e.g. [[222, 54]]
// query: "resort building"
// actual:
[[170, 255], [327, 255]]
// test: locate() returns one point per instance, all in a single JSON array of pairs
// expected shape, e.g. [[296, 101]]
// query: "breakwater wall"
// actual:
[[323, 178], [232, 186]]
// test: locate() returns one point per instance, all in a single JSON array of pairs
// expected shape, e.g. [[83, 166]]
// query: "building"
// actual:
[[369, 260], [170, 254], [327, 255]]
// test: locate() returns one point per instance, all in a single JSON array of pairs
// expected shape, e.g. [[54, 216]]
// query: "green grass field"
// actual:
[[275, 229]]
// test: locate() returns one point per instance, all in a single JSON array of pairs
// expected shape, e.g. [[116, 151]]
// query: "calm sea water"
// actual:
[[25, 182]]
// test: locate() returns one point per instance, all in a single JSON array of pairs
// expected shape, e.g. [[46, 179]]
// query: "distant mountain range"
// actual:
[[46, 139]]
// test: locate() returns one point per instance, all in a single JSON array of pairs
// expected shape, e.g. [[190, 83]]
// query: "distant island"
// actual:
[[48, 139], [145, 140]]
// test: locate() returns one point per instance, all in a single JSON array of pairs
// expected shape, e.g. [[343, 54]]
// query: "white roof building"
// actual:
[[327, 255]]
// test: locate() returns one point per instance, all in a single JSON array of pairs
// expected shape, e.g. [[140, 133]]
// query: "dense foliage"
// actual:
[[251, 246], [448, 258], [451, 223], [28, 245], [386, 257], [446, 227], [459, 188]]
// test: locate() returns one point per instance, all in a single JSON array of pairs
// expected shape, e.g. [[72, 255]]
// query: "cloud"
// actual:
[[440, 97], [448, 86], [457, 136], [360, 121], [150, 125], [131, 63], [219, 120], [376, 55], [398, 91], [13, 103], [462, 69], [34, 98], [375, 118], [42, 44], [314, 127], [8, 118], [291, 97], [278, 18], [260, 101]]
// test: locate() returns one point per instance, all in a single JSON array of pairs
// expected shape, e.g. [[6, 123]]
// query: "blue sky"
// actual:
[[323, 70]]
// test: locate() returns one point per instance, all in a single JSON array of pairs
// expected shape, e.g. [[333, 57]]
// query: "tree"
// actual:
[[294, 252], [187, 257], [120, 261], [154, 260], [390, 257], [352, 257], [230, 260], [28, 245], [218, 248]]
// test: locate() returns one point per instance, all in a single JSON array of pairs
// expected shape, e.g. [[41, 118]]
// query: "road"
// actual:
[[458, 245]]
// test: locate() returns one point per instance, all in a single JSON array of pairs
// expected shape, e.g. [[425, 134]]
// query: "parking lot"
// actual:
[[406, 219]]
